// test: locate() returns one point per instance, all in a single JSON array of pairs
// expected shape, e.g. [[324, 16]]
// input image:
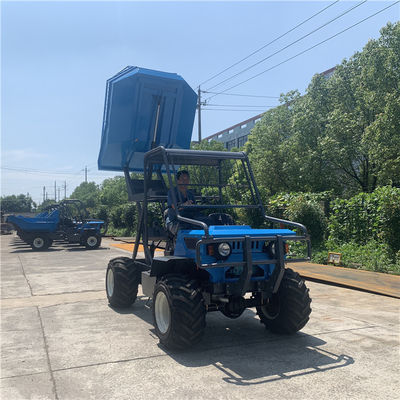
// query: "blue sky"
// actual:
[[56, 57]]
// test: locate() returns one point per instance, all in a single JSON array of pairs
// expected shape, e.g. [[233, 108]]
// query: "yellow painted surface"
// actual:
[[129, 247]]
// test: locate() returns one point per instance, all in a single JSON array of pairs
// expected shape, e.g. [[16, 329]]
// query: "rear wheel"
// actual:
[[92, 241], [122, 281], [288, 310], [40, 242], [178, 311]]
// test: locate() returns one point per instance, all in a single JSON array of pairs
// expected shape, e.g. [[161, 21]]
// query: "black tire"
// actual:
[[122, 281], [91, 241], [40, 242], [26, 238], [288, 310], [178, 312]]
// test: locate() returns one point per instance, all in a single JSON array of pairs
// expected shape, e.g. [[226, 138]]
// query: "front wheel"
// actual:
[[178, 312], [122, 281], [92, 241], [40, 242], [288, 310]]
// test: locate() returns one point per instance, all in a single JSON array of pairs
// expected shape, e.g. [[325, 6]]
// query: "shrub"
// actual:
[[368, 216], [305, 208], [373, 256], [101, 213], [310, 214]]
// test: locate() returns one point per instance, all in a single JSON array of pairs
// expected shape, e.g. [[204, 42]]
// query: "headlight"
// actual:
[[224, 249]]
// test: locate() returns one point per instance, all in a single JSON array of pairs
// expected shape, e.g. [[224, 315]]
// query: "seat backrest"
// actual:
[[221, 219], [156, 189]]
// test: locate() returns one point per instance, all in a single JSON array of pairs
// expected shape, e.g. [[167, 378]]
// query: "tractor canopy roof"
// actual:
[[163, 156]]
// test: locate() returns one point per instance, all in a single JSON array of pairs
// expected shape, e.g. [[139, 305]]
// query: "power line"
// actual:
[[241, 95], [290, 44], [224, 109], [234, 105], [306, 50], [36, 171], [269, 43]]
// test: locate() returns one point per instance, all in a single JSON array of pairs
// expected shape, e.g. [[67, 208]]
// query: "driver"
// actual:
[[184, 197]]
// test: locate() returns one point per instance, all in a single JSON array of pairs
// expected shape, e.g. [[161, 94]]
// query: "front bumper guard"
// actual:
[[242, 284]]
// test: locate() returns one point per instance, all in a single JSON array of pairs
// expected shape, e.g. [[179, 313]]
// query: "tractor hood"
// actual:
[[238, 231], [187, 239]]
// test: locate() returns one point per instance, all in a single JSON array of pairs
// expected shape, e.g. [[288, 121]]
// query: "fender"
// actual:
[[172, 264]]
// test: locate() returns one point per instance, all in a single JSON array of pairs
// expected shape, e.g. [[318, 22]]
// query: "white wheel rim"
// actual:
[[110, 282], [162, 312], [91, 241], [38, 242]]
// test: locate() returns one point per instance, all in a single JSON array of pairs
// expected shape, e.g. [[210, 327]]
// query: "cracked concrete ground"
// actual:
[[61, 340]]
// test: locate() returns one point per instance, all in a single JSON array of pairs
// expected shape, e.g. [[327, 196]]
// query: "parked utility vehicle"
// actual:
[[67, 221], [211, 263]]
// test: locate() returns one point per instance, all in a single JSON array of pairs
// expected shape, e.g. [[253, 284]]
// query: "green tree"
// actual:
[[45, 204], [344, 133], [19, 203], [113, 192], [363, 102], [88, 193], [271, 151]]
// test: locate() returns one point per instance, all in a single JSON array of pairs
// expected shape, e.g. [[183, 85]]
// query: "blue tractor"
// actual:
[[210, 262], [67, 221]]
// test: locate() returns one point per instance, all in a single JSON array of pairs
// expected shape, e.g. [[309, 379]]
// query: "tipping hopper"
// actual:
[[144, 109]]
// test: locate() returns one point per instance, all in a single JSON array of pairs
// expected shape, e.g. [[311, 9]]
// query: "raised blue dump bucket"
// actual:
[[144, 109]]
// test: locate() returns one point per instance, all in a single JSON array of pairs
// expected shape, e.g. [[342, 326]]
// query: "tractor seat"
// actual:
[[221, 219]]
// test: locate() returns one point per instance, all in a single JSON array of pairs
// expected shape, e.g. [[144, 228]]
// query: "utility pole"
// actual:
[[199, 112], [65, 190], [55, 190], [44, 193], [85, 173], [59, 198]]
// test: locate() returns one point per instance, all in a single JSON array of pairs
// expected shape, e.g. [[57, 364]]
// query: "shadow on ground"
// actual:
[[246, 353], [20, 246]]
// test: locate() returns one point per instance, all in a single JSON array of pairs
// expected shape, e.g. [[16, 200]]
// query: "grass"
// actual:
[[372, 256]]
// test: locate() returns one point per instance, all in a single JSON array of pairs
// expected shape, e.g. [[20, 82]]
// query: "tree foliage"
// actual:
[[343, 134], [16, 204], [368, 216], [88, 194]]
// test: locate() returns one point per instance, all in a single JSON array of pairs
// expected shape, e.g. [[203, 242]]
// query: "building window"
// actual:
[[242, 140], [231, 144]]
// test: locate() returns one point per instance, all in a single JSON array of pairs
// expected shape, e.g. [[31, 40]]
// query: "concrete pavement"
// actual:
[[61, 340]]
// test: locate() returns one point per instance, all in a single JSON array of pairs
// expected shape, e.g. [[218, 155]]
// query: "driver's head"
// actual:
[[183, 178]]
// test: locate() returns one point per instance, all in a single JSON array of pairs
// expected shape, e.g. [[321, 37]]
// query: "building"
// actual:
[[236, 135]]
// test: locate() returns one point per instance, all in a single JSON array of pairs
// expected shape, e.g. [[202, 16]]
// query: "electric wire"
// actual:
[[241, 95], [36, 171], [269, 43], [289, 45], [224, 109], [305, 51], [240, 105]]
